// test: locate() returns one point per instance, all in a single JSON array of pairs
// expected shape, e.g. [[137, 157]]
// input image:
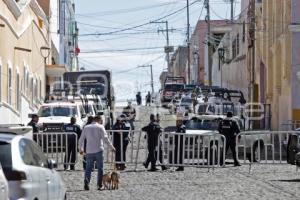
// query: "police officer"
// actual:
[[146, 163], [70, 156], [153, 130], [120, 142], [34, 124], [179, 140], [230, 129]]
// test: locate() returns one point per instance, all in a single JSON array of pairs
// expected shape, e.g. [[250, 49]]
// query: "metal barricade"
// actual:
[[290, 125], [191, 150], [58, 146], [266, 147], [128, 145]]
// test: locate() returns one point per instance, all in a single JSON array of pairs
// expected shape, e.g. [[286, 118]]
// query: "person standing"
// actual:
[[195, 101], [138, 98], [179, 141], [120, 142], [148, 99], [130, 113], [95, 134], [70, 156], [229, 128], [34, 124], [90, 120], [153, 130]]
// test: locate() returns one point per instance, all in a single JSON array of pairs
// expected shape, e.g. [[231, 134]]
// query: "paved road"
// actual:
[[264, 182]]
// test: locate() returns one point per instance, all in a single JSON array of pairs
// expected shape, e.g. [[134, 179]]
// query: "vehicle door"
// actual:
[[48, 174], [32, 169], [3, 186]]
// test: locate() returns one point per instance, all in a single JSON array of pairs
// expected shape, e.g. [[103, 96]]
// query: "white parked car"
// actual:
[[3, 185], [55, 114], [29, 173]]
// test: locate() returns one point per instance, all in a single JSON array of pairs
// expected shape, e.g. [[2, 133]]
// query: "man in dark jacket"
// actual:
[[34, 124], [70, 156], [153, 130], [229, 128], [120, 142]]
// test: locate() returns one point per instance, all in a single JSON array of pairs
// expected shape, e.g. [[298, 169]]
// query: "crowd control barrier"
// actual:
[[267, 147], [191, 150], [58, 146]]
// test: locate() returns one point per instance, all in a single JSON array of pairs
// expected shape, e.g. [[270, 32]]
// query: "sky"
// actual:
[[104, 46]]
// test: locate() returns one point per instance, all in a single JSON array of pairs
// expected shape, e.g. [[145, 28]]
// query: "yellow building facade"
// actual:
[[24, 38], [273, 53]]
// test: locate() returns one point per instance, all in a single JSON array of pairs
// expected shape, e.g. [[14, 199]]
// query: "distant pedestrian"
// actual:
[[179, 141], [130, 113], [71, 153], [95, 134], [120, 142], [195, 101], [153, 130], [138, 98], [229, 128], [148, 99]]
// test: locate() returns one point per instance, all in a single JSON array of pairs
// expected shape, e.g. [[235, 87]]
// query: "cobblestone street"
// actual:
[[264, 182]]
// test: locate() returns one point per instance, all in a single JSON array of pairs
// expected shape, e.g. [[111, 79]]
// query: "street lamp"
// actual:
[[45, 52], [221, 52]]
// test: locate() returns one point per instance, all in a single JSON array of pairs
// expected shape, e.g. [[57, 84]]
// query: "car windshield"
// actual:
[[186, 100], [174, 87], [202, 124], [5, 155], [63, 111]]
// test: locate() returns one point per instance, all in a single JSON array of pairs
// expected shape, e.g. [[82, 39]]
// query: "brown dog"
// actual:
[[115, 180], [107, 180]]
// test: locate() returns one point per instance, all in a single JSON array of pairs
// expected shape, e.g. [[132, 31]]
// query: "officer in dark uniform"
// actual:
[[120, 139], [72, 151], [230, 129], [34, 124], [179, 140], [153, 130]]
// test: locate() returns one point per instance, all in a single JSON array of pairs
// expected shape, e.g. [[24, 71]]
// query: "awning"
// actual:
[[55, 70]]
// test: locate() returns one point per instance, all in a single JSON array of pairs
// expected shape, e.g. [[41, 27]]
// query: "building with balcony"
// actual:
[[24, 39]]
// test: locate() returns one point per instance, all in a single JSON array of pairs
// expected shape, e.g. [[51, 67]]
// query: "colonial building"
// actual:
[[277, 58], [24, 42], [231, 60], [199, 50]]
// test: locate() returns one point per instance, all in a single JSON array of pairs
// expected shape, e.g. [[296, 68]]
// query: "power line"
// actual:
[[138, 26], [123, 11], [120, 50]]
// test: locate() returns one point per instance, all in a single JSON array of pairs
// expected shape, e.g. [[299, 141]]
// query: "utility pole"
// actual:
[[168, 50], [231, 18], [151, 71], [188, 40], [209, 46]]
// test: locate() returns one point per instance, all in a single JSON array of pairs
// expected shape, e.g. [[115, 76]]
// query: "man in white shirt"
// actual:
[[94, 134]]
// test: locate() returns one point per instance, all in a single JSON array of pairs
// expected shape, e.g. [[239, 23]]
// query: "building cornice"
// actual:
[[39, 11], [13, 7]]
